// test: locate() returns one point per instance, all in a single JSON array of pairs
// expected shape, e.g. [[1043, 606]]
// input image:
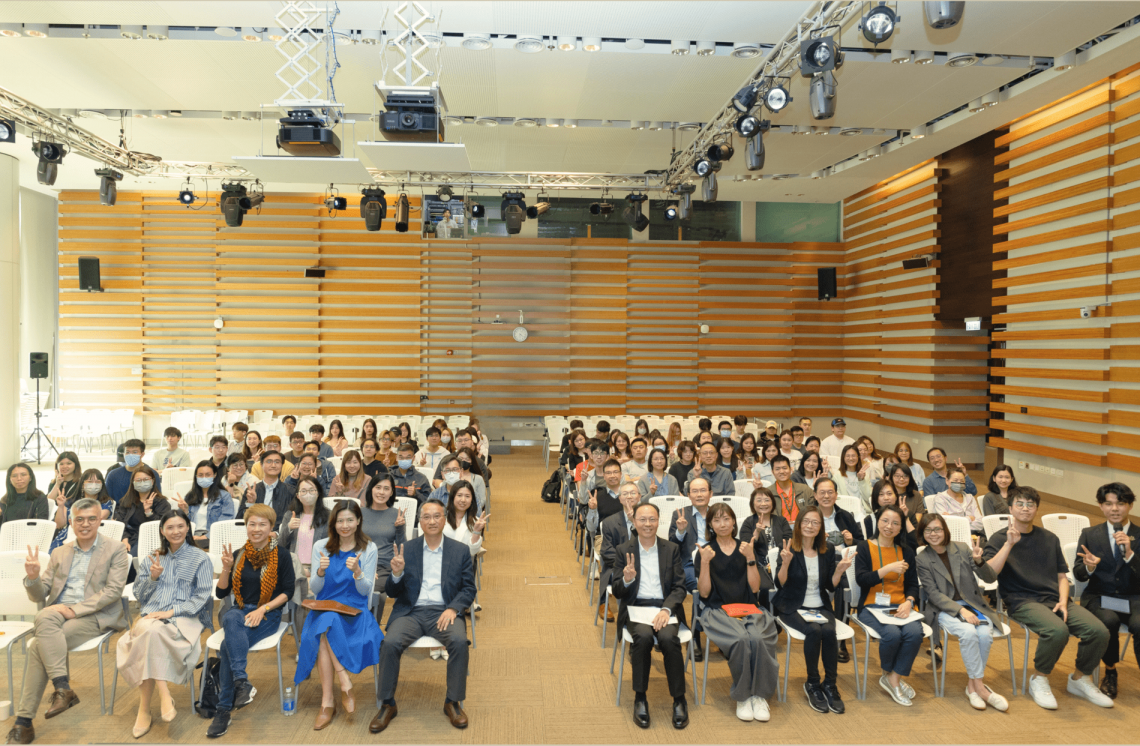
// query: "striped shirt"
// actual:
[[186, 585], [72, 592]]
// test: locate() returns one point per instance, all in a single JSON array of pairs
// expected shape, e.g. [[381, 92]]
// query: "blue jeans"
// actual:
[[974, 642], [235, 648], [898, 646]]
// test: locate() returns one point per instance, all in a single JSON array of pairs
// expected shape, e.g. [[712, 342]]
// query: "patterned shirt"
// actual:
[[186, 585], [72, 592]]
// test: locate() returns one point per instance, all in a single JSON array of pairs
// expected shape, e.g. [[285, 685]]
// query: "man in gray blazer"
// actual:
[[82, 591], [616, 530]]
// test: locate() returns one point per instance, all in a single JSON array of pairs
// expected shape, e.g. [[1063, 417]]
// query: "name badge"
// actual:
[[882, 599], [1111, 603]]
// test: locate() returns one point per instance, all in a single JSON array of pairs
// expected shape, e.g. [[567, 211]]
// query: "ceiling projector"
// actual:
[[305, 133]]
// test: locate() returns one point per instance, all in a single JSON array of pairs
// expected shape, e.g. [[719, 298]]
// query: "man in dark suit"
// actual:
[[616, 530], [688, 530], [272, 491], [1112, 568], [433, 583], [647, 573]]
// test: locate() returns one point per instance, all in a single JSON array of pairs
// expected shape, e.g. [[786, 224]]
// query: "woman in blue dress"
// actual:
[[344, 570]]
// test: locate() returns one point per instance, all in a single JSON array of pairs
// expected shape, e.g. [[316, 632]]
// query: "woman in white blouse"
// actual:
[[763, 470], [956, 501], [852, 477], [788, 448]]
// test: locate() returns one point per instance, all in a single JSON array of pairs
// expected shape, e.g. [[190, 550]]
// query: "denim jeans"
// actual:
[[235, 648], [974, 642], [898, 646]]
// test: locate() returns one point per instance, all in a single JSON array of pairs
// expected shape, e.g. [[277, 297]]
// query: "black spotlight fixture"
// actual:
[[108, 192], [334, 201], [819, 55], [444, 193], [477, 210], [941, 14], [703, 167], [720, 152], [747, 125], [373, 207], [513, 209], [403, 210], [879, 24], [187, 196], [605, 209], [535, 210], [745, 98], [51, 155], [7, 131], [231, 203], [633, 214], [776, 98], [671, 212]]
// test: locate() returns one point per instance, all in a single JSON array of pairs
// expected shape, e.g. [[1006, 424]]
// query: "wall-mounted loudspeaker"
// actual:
[[89, 274], [314, 272], [825, 283], [39, 365]]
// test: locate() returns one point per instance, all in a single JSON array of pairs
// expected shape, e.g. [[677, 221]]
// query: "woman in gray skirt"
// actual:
[[728, 579]]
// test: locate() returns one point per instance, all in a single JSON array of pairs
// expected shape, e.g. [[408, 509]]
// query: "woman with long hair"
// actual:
[[657, 481], [575, 445], [252, 449], [206, 503], [853, 477], [906, 457], [386, 525], [884, 494], [21, 498], [810, 469], [762, 472], [447, 438], [352, 480], [473, 473], [674, 438], [726, 449], [92, 485], [142, 504], [870, 457], [464, 523], [306, 523], [749, 454], [907, 491], [787, 444], [65, 488], [344, 570], [367, 430], [1002, 485], [621, 450], [336, 439]]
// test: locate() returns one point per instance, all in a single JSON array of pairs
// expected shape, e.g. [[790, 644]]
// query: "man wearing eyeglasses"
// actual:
[[82, 591], [1032, 579]]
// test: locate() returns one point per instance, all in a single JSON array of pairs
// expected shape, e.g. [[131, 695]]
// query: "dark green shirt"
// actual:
[[23, 508]]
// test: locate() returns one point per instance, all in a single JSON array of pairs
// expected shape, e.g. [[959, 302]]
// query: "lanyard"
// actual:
[[880, 548]]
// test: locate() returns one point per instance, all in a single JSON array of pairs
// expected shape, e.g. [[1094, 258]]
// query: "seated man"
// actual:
[[647, 573], [465, 438], [239, 430], [296, 447], [637, 467], [317, 435], [1032, 579], [119, 480], [432, 455], [936, 481], [616, 530], [272, 491], [410, 482], [219, 450], [173, 455], [271, 443], [82, 591], [1110, 564], [325, 472], [688, 530], [428, 602], [719, 478]]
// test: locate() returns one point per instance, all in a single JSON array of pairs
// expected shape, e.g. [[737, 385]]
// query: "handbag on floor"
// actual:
[[207, 704]]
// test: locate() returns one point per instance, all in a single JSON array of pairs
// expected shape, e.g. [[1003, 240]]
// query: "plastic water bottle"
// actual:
[[290, 705]]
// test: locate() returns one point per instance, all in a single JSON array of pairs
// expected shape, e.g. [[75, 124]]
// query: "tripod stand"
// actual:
[[38, 431]]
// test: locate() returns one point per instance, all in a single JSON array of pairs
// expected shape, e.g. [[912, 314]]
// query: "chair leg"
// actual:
[[473, 643], [854, 660], [940, 683], [866, 662], [783, 696], [1012, 665], [376, 683], [621, 671], [617, 639], [102, 696], [705, 680], [1025, 663], [280, 676]]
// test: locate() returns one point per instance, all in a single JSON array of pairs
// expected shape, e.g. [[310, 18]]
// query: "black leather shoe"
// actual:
[[815, 697], [843, 656], [834, 701], [1108, 683], [641, 713], [680, 714]]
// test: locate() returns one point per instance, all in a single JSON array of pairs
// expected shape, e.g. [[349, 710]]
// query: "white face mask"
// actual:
[[451, 478], [307, 498], [445, 439], [92, 488]]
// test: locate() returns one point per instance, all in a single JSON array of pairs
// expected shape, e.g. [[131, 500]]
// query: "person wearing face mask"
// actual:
[[955, 501], [386, 526], [936, 482], [469, 463], [1002, 484], [724, 430], [142, 503], [273, 490], [452, 473], [466, 438], [409, 481], [64, 489], [305, 522], [206, 503], [119, 480], [657, 481], [91, 486]]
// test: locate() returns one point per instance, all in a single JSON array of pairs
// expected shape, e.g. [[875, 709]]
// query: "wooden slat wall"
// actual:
[[1071, 386], [901, 367]]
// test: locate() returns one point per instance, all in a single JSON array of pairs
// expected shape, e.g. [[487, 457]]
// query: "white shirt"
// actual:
[[633, 470], [794, 456], [812, 598], [464, 535], [832, 447], [650, 586]]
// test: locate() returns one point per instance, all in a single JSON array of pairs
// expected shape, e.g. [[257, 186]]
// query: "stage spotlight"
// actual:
[[671, 212], [776, 99], [187, 196], [605, 209], [754, 154], [685, 206], [373, 207], [709, 188], [941, 14], [444, 193], [403, 209], [879, 24], [822, 96], [745, 98], [704, 167], [747, 125], [819, 55], [535, 210], [108, 192], [232, 196], [633, 214], [720, 152], [252, 201], [335, 202], [477, 210], [513, 209], [51, 155]]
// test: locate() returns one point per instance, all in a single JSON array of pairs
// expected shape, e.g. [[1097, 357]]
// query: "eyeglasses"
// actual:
[[452, 471], [1020, 504], [810, 523], [85, 521], [933, 530]]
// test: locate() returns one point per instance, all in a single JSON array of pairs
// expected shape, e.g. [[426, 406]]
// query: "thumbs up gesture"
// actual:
[[32, 563], [324, 565], [629, 574], [294, 521], [397, 563], [353, 562]]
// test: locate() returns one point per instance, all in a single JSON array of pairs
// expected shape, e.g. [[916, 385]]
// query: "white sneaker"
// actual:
[[744, 710], [760, 709], [996, 701], [1084, 688], [1041, 693], [435, 653], [975, 701]]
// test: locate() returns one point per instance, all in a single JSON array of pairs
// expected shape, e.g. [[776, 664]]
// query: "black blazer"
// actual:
[[283, 496], [614, 534], [689, 542], [1109, 580], [867, 578], [781, 530], [457, 578], [790, 595], [672, 578], [845, 521]]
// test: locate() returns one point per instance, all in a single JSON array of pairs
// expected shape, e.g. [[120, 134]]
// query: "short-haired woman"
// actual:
[[957, 502], [728, 575], [344, 570], [173, 590], [386, 526], [686, 460], [946, 570], [259, 576], [766, 526], [657, 481]]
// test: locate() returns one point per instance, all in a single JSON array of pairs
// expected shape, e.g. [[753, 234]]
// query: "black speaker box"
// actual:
[[39, 365], [89, 274], [826, 284]]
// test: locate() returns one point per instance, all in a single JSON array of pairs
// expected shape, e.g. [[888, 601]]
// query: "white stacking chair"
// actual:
[[178, 489], [149, 541], [173, 474], [222, 533], [18, 535], [666, 504], [15, 602], [940, 683], [684, 636], [959, 529], [1069, 552], [843, 632], [427, 471], [928, 503], [108, 528], [336, 462], [739, 506], [743, 487], [262, 415], [852, 505], [431, 642], [331, 501], [1067, 526], [407, 506], [991, 524], [273, 642]]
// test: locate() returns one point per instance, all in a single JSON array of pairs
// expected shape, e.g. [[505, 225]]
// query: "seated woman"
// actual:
[[367, 431], [141, 504], [853, 477], [956, 501], [885, 571], [173, 589], [207, 503], [336, 439], [810, 469], [726, 449], [749, 456], [657, 481], [906, 458], [766, 527], [883, 494], [807, 570], [788, 448], [1002, 485], [352, 481], [762, 472], [728, 573], [870, 457], [252, 449], [89, 484], [237, 479], [575, 444], [63, 490], [22, 500], [907, 491], [686, 460], [307, 523], [464, 524], [386, 526], [344, 570], [260, 577], [946, 570], [473, 473]]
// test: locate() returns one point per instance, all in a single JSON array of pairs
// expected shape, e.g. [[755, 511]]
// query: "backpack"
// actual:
[[207, 705], [552, 489]]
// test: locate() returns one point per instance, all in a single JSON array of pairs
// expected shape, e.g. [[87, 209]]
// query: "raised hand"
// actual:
[[352, 562], [481, 522], [748, 549], [706, 552], [786, 552], [148, 502], [250, 494], [593, 503], [324, 564], [629, 574], [181, 503], [1090, 559], [977, 551], [826, 466], [958, 463], [397, 563], [32, 562], [400, 521], [1012, 536], [227, 558], [682, 522], [155, 566], [294, 521], [845, 562]]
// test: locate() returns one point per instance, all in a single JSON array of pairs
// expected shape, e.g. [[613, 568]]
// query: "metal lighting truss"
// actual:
[[781, 61], [298, 19], [522, 180], [410, 45]]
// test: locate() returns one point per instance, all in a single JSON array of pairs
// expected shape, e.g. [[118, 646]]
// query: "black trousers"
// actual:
[[819, 640], [641, 650], [1113, 620]]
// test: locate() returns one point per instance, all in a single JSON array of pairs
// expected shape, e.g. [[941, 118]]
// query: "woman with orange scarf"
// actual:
[[260, 576]]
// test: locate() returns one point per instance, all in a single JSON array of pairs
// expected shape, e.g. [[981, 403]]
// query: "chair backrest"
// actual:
[[174, 474], [1067, 526], [335, 461], [856, 590], [179, 489], [222, 533], [666, 504], [994, 523], [743, 487], [407, 506], [149, 538], [851, 504], [427, 471], [928, 502], [16, 536], [773, 556], [1069, 552], [959, 528], [13, 598], [739, 507], [110, 529], [331, 501]]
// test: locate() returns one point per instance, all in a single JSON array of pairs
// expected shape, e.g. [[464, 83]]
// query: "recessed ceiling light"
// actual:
[[36, 30], [961, 59], [680, 46], [553, 123], [991, 60], [530, 44], [634, 43], [706, 48], [251, 36], [11, 30], [872, 152], [131, 32], [688, 126], [528, 123], [850, 131], [486, 122], [453, 121], [592, 43], [158, 33], [92, 114], [745, 50], [900, 56], [1067, 61], [227, 31], [477, 42], [567, 43], [570, 123], [433, 40], [923, 58], [141, 113]]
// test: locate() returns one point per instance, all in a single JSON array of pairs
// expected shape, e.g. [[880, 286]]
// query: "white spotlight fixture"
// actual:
[[158, 33], [918, 132], [941, 14], [872, 152], [486, 122], [553, 123], [923, 58], [11, 30], [253, 35], [369, 37], [133, 33], [567, 43], [688, 126], [529, 44], [160, 114], [993, 98], [900, 56], [635, 124], [655, 126], [526, 123], [1067, 61], [879, 23], [961, 59], [230, 116], [592, 43], [140, 113], [800, 130], [570, 123], [745, 50], [453, 121], [706, 48], [819, 174], [36, 30], [635, 44], [680, 46], [976, 105], [476, 42]]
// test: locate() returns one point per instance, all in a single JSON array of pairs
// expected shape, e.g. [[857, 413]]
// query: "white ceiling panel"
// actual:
[[305, 170]]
